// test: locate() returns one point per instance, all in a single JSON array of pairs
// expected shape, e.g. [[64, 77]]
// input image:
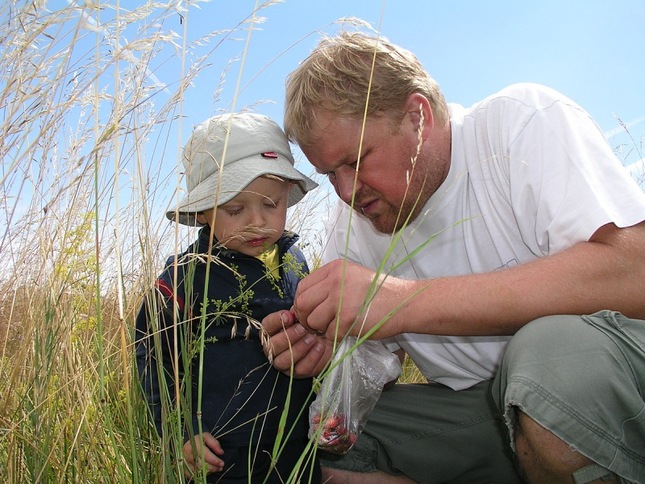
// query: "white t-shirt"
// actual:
[[531, 174]]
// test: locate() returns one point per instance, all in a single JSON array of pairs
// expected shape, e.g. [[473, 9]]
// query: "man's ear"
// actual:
[[419, 113]]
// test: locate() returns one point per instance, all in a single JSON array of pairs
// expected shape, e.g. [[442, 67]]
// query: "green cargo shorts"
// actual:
[[582, 378], [433, 434]]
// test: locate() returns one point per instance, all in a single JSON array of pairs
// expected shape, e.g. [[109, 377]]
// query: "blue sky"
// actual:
[[591, 50]]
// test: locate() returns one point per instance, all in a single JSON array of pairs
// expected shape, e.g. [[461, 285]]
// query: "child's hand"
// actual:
[[292, 349], [207, 448]]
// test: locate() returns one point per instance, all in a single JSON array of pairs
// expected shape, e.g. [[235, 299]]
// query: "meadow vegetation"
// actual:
[[83, 192], [86, 126]]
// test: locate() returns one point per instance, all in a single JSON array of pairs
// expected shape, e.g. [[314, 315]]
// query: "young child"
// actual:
[[197, 333]]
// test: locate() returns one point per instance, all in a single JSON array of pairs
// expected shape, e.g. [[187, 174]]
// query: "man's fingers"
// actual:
[[314, 297], [276, 322], [318, 357], [309, 355], [290, 346]]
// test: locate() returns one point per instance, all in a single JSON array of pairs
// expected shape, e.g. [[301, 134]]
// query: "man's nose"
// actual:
[[347, 183]]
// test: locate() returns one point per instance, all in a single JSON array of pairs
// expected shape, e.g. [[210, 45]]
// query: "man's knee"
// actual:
[[543, 457]]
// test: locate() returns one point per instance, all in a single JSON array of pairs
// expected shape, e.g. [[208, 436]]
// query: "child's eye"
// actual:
[[233, 211]]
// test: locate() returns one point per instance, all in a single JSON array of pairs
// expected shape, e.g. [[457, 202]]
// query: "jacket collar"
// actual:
[[286, 240]]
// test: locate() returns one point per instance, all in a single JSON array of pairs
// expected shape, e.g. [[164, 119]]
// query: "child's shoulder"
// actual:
[[287, 242]]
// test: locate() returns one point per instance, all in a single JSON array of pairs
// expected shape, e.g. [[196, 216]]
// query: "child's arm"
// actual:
[[154, 344], [148, 355], [203, 450]]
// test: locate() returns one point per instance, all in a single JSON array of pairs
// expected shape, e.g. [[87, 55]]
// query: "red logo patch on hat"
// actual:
[[270, 154]]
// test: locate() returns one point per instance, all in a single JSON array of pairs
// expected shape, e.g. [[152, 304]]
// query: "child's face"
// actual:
[[255, 219]]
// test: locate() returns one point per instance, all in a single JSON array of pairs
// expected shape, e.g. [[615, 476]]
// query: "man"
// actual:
[[507, 243]]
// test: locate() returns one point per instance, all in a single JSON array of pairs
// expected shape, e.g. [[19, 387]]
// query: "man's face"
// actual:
[[381, 172]]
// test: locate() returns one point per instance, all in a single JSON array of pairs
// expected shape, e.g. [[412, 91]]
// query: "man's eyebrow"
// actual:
[[342, 162]]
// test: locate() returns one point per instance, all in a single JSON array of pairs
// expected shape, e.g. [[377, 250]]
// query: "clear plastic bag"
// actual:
[[348, 394]]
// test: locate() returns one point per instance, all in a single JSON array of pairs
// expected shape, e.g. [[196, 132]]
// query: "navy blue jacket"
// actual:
[[242, 396]]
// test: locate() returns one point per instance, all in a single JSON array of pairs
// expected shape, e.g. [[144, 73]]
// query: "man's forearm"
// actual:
[[606, 273]]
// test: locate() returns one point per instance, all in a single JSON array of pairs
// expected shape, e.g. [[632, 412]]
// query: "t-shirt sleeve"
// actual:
[[563, 171]]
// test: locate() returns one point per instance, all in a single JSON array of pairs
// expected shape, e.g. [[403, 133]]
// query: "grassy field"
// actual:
[[82, 239]]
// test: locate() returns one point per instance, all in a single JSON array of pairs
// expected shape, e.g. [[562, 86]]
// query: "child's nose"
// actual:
[[257, 217]]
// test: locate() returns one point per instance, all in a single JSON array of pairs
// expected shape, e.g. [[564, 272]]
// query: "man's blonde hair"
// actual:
[[336, 78]]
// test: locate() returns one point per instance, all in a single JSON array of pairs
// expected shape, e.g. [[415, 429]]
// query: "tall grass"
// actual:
[[630, 152], [85, 127], [72, 124]]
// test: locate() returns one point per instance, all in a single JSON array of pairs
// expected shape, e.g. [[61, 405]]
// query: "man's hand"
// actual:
[[301, 340], [203, 451], [292, 348], [332, 301]]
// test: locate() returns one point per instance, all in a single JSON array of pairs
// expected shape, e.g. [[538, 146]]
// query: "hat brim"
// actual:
[[215, 191]]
